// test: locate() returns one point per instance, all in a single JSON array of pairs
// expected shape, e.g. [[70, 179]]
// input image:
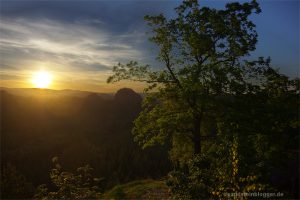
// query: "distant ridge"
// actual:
[[27, 92]]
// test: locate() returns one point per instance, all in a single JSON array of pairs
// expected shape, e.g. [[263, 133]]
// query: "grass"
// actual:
[[143, 189]]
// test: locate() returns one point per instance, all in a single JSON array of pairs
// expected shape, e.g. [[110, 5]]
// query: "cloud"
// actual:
[[10, 77], [65, 44], [86, 66]]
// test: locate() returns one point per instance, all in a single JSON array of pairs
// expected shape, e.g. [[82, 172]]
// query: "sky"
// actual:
[[79, 41]]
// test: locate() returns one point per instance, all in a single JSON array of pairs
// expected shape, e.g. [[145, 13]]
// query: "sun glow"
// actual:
[[42, 79]]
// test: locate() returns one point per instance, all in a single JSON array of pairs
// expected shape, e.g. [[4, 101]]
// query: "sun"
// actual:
[[41, 79]]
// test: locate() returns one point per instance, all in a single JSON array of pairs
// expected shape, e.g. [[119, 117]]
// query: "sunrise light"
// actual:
[[42, 79]]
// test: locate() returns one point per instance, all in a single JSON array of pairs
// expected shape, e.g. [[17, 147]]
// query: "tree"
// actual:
[[202, 51], [206, 94]]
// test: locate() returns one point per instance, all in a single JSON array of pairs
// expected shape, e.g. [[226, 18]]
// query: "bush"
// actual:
[[79, 185]]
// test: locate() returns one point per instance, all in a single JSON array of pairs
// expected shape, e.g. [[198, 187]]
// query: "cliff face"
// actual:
[[127, 96], [105, 114], [127, 102]]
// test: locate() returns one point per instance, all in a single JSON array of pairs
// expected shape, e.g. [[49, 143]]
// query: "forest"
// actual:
[[212, 123]]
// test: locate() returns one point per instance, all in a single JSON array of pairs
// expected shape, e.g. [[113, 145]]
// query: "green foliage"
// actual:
[[69, 185], [13, 184], [214, 175]]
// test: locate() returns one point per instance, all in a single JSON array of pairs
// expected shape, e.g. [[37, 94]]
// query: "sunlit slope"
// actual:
[[143, 189]]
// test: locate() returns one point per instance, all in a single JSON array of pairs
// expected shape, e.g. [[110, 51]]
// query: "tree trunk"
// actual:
[[196, 134]]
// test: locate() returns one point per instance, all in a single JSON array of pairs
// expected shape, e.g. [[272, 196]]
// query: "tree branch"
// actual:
[[169, 67]]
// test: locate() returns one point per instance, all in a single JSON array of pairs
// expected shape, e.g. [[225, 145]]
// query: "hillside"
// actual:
[[143, 189], [78, 130]]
